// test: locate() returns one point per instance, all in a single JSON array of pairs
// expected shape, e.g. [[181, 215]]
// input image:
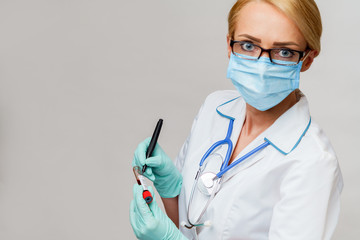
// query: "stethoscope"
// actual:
[[209, 183]]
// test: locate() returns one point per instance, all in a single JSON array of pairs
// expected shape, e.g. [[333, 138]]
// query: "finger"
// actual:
[[140, 153], [157, 149], [154, 207], [139, 157], [151, 189], [133, 218], [154, 162], [148, 171], [138, 217], [138, 212], [149, 174], [142, 207], [136, 221]]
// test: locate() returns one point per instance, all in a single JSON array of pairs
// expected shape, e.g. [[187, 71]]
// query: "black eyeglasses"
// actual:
[[280, 56]]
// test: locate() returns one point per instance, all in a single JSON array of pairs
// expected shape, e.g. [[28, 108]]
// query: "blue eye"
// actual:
[[247, 46], [285, 53]]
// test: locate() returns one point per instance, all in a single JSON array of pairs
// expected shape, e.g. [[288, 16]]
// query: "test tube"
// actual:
[[141, 181]]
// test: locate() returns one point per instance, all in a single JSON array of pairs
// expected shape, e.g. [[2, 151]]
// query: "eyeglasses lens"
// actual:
[[278, 56]]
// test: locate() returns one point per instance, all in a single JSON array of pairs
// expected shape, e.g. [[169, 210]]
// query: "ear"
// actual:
[[228, 45], [309, 60]]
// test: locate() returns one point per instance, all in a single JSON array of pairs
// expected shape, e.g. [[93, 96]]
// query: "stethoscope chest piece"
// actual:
[[208, 183]]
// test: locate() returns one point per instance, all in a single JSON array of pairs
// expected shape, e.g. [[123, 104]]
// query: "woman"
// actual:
[[281, 180]]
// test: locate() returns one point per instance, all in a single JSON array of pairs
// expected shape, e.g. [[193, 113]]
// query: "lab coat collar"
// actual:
[[286, 132]]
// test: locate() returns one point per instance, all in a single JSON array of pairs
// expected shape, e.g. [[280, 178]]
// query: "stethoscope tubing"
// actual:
[[227, 141], [225, 165], [223, 169], [236, 162]]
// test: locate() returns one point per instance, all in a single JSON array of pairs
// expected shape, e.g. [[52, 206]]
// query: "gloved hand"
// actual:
[[148, 221], [161, 170]]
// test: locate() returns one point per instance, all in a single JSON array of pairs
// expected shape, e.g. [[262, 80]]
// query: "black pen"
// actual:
[[153, 141]]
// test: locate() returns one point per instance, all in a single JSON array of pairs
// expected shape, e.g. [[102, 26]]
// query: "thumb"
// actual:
[[140, 204]]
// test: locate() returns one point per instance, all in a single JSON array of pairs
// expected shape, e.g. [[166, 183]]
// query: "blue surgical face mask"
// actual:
[[261, 83]]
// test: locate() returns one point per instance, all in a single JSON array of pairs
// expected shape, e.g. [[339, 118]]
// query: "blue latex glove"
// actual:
[[148, 221], [161, 170]]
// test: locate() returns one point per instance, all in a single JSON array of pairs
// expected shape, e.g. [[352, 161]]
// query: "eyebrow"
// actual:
[[250, 37], [280, 44], [285, 44]]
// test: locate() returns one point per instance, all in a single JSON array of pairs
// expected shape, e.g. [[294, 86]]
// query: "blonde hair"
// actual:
[[304, 13]]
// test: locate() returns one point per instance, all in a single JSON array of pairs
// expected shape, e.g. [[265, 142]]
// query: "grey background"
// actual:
[[82, 82]]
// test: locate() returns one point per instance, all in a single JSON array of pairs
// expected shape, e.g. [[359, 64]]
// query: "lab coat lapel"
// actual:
[[233, 109], [236, 110], [287, 131]]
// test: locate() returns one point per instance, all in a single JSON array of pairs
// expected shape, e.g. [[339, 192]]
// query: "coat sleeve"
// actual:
[[309, 202]]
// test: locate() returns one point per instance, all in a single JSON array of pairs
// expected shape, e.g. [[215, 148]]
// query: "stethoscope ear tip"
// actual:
[[183, 223]]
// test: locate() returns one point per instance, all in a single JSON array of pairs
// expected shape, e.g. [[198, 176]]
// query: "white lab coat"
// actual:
[[290, 190]]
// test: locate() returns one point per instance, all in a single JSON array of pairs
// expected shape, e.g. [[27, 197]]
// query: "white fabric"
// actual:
[[290, 190]]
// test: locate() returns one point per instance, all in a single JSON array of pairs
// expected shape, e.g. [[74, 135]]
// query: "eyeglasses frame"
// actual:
[[303, 54]]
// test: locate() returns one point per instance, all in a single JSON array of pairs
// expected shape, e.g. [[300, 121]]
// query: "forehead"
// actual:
[[263, 20]]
